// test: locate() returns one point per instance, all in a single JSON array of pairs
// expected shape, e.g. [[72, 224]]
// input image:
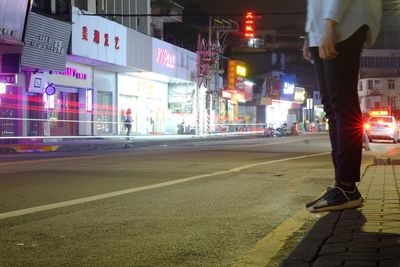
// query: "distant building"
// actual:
[[379, 84], [380, 93], [150, 25]]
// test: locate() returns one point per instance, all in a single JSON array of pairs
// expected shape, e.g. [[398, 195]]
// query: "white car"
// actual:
[[382, 128]]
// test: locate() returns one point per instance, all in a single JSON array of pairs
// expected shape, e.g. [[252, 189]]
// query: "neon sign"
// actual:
[[165, 58], [72, 72], [241, 71], [249, 25], [288, 88], [8, 78]]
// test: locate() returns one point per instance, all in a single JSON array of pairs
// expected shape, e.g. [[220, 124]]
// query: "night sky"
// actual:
[[259, 6]]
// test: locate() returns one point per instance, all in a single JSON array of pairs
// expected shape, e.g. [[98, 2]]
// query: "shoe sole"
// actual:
[[348, 205]]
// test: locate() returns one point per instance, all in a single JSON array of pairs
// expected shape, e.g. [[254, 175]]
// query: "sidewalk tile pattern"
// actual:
[[367, 236]]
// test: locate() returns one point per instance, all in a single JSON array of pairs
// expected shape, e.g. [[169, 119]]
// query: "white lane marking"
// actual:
[[21, 212]]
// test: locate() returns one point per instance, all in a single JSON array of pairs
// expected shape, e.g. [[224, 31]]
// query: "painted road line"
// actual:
[[68, 203]]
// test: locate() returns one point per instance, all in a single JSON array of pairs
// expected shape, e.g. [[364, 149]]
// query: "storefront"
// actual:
[[101, 46], [10, 108], [148, 79], [44, 49], [176, 69], [147, 99], [12, 23]]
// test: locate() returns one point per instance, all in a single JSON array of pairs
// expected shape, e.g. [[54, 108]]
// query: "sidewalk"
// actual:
[[367, 236]]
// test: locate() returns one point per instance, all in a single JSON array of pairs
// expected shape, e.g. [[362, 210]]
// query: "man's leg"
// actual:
[[320, 72], [341, 78]]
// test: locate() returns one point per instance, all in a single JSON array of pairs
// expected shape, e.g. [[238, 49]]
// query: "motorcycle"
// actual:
[[182, 129]]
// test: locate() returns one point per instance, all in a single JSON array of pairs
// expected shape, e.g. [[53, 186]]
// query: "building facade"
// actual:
[[86, 89]]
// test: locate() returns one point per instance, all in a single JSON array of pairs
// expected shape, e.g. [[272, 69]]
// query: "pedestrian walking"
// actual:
[[128, 123], [337, 31]]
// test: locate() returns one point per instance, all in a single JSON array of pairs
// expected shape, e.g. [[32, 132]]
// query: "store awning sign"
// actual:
[[166, 58], [8, 78], [237, 71], [98, 38], [46, 43]]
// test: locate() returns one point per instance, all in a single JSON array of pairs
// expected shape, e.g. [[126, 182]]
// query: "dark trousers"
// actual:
[[128, 130], [338, 79]]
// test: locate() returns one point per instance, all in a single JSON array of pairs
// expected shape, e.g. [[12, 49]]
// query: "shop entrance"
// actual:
[[64, 118], [35, 114], [10, 110]]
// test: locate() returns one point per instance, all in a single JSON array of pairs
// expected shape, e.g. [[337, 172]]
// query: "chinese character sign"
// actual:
[[249, 25], [98, 38], [236, 74]]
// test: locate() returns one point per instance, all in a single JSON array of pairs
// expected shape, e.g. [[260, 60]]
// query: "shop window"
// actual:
[[104, 112], [118, 10], [58, 9], [370, 84], [391, 84], [377, 84], [126, 21], [81, 4]]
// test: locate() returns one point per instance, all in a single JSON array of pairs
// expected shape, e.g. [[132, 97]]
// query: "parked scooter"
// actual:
[[186, 129], [281, 130]]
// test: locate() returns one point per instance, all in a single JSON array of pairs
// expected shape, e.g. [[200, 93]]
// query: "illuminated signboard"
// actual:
[[379, 113], [288, 88], [236, 74], [249, 25], [226, 94], [299, 95], [98, 38], [241, 71], [166, 58], [72, 72], [8, 78]]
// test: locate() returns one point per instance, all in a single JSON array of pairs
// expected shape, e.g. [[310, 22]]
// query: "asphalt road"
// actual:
[[195, 204]]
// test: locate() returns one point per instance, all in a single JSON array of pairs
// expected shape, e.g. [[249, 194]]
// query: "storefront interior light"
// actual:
[[89, 100], [2, 88], [52, 101], [48, 101], [249, 83]]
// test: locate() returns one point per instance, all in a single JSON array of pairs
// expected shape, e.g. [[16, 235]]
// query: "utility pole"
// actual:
[[208, 69]]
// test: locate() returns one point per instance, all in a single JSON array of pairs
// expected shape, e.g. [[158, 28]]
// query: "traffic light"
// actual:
[[249, 25]]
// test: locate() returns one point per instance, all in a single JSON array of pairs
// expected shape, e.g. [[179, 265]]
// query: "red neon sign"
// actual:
[[165, 58], [72, 72], [249, 25]]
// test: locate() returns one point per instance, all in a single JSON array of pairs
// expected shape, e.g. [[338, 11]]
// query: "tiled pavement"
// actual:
[[367, 236]]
